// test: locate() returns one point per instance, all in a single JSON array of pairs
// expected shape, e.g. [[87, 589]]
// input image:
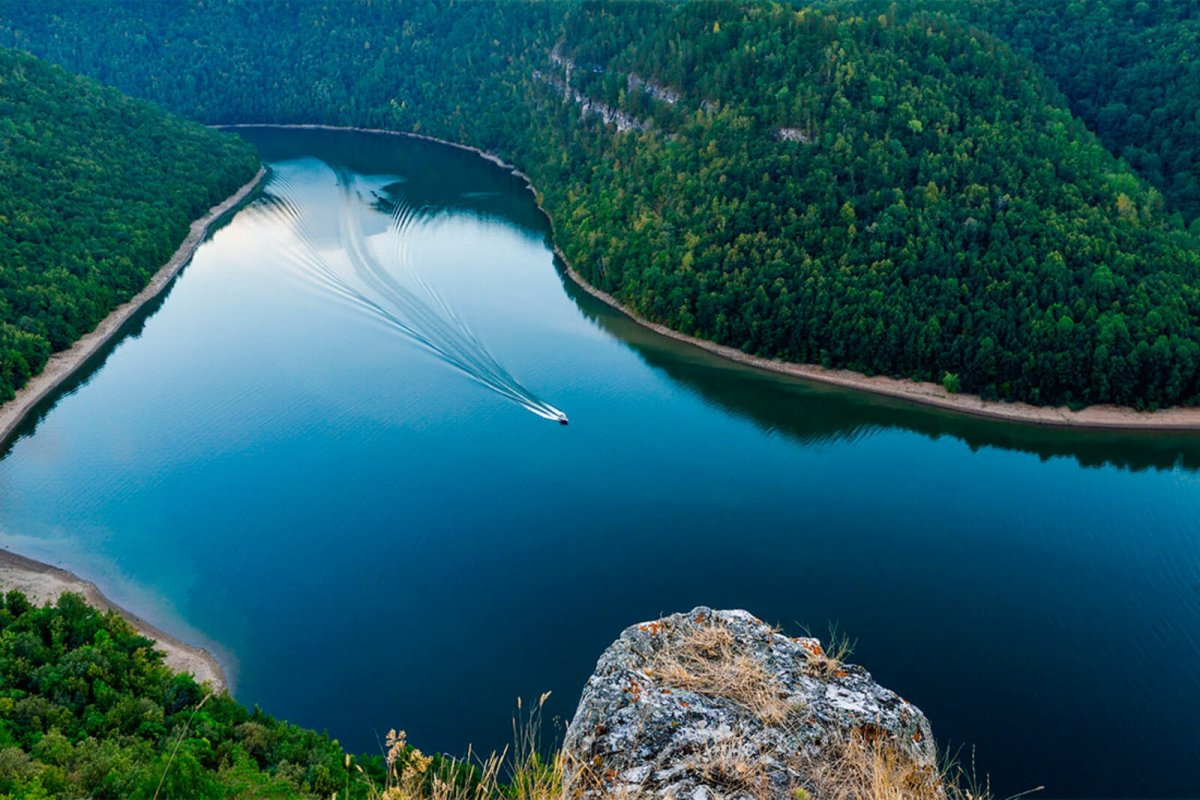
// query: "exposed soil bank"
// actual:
[[1100, 417], [42, 583], [930, 394], [63, 364]]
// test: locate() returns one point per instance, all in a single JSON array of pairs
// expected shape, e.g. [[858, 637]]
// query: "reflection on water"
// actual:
[[431, 179], [812, 413], [372, 271], [438, 182], [286, 453]]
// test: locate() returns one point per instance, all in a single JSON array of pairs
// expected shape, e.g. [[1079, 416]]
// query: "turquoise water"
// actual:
[[324, 455]]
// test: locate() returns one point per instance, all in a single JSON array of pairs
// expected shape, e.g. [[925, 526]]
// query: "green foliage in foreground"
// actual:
[[880, 187], [87, 709], [96, 193]]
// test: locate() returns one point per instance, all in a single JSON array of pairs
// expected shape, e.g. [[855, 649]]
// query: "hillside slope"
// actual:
[[99, 190], [1130, 69], [893, 193]]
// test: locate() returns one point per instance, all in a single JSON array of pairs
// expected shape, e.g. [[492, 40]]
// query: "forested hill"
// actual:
[[894, 192], [1131, 71], [96, 193]]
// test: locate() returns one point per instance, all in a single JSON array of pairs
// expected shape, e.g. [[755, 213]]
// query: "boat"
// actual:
[[562, 418]]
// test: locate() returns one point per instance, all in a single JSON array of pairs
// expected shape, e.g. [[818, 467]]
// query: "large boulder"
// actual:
[[718, 704]]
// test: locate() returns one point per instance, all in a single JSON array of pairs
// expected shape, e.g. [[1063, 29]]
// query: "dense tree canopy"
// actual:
[[897, 196], [87, 709], [895, 191], [1130, 69], [98, 192]]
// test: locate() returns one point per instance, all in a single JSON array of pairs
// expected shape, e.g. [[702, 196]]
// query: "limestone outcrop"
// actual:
[[718, 704]]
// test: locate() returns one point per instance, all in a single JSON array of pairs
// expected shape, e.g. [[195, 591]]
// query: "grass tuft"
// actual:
[[707, 659], [865, 767], [523, 773], [830, 660]]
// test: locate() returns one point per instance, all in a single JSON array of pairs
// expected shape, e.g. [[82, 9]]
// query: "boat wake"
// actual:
[[387, 288]]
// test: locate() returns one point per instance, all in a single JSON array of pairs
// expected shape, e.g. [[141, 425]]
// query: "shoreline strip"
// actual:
[[43, 583], [1098, 417], [63, 364], [924, 393]]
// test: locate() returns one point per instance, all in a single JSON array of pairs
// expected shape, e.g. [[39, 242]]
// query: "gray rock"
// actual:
[[718, 704]]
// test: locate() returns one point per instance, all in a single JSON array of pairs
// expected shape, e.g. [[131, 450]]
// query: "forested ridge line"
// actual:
[[99, 190], [897, 193]]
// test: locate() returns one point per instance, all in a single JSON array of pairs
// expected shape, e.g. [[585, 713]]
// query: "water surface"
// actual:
[[324, 454]]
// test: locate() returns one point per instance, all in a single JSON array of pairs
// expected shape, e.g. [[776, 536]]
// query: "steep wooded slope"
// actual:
[[98, 192]]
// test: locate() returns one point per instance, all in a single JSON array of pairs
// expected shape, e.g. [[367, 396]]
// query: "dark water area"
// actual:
[[325, 456]]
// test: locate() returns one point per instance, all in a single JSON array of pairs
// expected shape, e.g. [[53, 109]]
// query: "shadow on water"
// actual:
[[441, 180], [129, 330], [385, 286], [812, 413], [1046, 615], [81, 377], [449, 181]]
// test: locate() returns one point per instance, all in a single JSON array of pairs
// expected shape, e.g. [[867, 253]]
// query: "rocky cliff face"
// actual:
[[718, 704]]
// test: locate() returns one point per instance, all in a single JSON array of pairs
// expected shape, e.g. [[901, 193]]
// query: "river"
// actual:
[[330, 454]]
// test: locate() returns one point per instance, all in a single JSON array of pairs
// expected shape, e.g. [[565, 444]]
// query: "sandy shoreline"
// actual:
[[43, 583], [1099, 417], [63, 364]]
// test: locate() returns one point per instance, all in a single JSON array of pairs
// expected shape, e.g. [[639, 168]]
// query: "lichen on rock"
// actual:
[[718, 704]]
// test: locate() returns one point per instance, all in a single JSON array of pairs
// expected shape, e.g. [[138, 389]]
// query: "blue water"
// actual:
[[323, 456]]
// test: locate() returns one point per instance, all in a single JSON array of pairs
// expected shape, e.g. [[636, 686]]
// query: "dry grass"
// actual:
[[871, 767], [861, 768], [964, 784], [532, 776], [727, 766], [867, 767], [707, 660], [178, 741], [411, 775]]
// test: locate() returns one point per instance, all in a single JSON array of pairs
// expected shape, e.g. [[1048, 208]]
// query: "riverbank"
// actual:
[[923, 393], [64, 364], [43, 583], [1099, 417]]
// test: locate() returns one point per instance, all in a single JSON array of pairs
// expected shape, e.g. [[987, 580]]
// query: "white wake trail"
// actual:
[[423, 316]]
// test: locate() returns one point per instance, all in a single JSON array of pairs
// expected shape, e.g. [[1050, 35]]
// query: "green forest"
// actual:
[[99, 190], [999, 196], [934, 189], [1130, 70], [87, 709]]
